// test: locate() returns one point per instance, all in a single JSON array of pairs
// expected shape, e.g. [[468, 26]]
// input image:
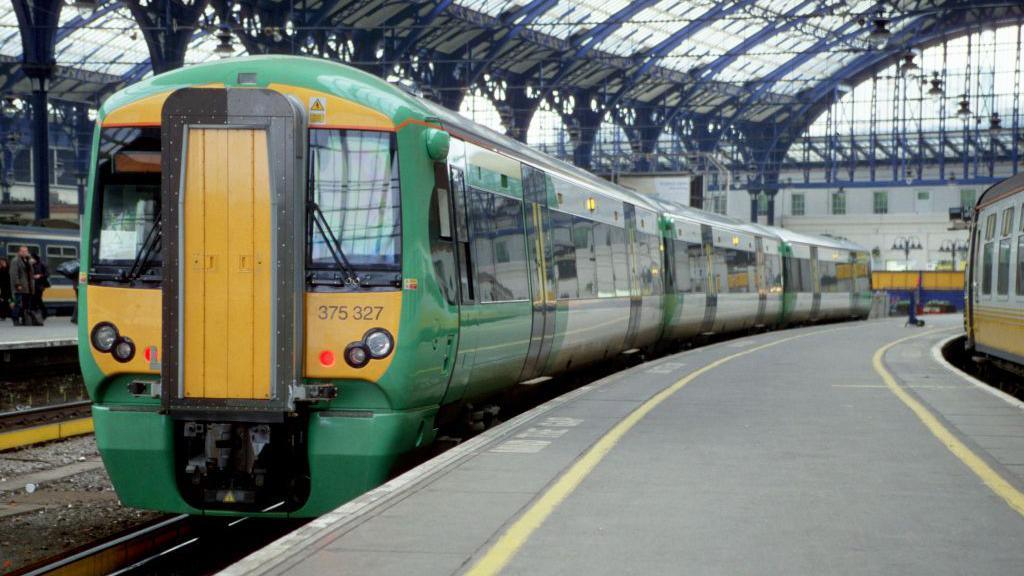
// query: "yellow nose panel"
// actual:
[[226, 259]]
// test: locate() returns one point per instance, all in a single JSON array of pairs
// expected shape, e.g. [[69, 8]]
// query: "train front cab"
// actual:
[[226, 376]]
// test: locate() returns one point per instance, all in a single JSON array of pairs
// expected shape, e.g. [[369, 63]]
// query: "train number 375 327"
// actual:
[[349, 312]]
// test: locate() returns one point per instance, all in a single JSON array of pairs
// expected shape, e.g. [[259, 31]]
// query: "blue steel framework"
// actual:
[[622, 69]]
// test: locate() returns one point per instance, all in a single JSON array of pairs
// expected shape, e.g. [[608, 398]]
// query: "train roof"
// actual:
[[37, 231], [1004, 189]]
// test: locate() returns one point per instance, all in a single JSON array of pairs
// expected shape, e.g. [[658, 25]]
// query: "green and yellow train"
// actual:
[[293, 272]]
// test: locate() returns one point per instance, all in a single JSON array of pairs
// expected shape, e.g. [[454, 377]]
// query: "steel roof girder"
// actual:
[[589, 39]]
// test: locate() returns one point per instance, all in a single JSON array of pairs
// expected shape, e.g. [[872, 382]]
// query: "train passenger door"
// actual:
[[540, 259], [761, 281], [815, 284], [444, 248], [467, 296], [632, 263], [711, 288]]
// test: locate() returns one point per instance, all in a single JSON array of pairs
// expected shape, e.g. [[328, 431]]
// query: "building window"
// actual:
[[797, 207], [967, 199], [881, 204], [923, 195], [762, 204], [838, 203]]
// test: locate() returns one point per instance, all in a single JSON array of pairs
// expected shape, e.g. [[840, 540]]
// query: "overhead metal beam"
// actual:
[[519, 20], [82, 21], [591, 38], [666, 46]]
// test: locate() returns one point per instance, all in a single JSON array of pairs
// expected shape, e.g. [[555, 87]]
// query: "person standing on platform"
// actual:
[[41, 276], [5, 289], [22, 285]]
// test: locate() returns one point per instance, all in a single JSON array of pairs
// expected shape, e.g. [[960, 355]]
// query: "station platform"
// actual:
[[839, 449], [57, 331]]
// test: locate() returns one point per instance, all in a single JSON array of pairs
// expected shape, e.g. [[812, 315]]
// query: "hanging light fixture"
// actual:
[[880, 34], [995, 124], [224, 48], [964, 112], [936, 90], [910, 69], [10, 106]]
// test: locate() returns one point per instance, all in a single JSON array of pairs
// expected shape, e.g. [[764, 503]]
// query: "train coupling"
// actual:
[[314, 392], [144, 388]]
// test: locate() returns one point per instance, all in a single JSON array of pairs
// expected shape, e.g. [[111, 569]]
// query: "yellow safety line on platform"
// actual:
[[501, 553], [990, 477], [45, 433]]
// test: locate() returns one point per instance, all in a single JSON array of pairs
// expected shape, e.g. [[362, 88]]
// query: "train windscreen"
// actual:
[[126, 203]]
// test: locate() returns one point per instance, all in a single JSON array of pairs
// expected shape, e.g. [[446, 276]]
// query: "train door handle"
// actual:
[[245, 263], [208, 261]]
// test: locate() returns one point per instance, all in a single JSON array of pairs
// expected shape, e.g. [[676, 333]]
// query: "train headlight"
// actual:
[[124, 349], [103, 336], [357, 355], [379, 342]]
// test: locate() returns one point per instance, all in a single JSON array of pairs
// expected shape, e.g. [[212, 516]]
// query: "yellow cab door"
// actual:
[[226, 265]]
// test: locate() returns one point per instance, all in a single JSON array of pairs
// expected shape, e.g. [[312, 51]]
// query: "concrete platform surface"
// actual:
[[839, 449], [56, 331]]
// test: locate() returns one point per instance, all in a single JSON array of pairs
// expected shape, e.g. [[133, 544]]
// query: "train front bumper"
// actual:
[[349, 452]]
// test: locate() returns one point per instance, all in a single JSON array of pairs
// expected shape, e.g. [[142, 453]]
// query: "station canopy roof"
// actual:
[[748, 59]]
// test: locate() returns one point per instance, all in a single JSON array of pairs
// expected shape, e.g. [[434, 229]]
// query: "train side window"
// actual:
[[619, 261], [565, 255], [499, 246], [441, 190], [604, 260], [1022, 217], [481, 206], [13, 247], [586, 269], [986, 268], [510, 268], [681, 266], [990, 227], [1007, 221], [1003, 273], [698, 268], [657, 265], [1020, 265]]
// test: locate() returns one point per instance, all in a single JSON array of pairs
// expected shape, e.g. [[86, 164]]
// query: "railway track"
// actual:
[[180, 545], [34, 425]]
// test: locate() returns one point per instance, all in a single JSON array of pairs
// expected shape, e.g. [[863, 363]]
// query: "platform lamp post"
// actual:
[[953, 247], [906, 244]]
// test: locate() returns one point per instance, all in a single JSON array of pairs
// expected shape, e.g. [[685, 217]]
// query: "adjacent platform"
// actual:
[[841, 449], [56, 332]]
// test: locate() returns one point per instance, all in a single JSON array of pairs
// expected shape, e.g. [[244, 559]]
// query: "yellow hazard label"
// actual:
[[317, 110]]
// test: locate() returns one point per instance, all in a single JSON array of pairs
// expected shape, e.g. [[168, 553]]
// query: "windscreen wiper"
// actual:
[[148, 248], [333, 246]]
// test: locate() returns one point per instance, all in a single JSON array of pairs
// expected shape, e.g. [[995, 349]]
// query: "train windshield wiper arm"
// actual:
[[148, 248], [333, 246]]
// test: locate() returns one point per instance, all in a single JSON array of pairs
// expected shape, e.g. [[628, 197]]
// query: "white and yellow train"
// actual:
[[994, 316]]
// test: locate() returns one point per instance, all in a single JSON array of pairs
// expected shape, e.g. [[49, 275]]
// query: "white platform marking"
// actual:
[[521, 446], [665, 368]]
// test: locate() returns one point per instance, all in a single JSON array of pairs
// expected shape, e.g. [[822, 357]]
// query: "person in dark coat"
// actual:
[[41, 275], [22, 285], [5, 289]]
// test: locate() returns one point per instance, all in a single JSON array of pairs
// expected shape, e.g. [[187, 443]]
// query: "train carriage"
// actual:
[[994, 315], [56, 246], [295, 272]]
